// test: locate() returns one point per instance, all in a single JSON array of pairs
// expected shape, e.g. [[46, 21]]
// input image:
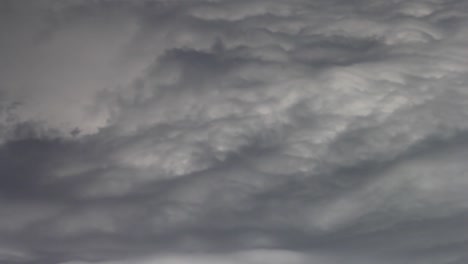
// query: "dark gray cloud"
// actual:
[[219, 131]]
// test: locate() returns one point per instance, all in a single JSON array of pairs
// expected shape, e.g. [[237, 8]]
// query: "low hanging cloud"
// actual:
[[219, 131], [253, 257]]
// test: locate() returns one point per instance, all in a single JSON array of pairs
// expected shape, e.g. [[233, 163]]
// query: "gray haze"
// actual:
[[234, 131]]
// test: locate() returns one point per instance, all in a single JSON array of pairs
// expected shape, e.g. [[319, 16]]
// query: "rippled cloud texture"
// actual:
[[222, 131]]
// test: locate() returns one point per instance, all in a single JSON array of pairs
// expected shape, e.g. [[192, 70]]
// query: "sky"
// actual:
[[233, 132]]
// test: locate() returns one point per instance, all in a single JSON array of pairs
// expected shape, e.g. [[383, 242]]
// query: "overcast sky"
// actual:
[[233, 131]]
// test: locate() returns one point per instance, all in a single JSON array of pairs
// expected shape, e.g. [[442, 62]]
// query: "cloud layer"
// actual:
[[219, 131]]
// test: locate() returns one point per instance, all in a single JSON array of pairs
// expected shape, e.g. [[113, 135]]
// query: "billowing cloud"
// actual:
[[219, 131]]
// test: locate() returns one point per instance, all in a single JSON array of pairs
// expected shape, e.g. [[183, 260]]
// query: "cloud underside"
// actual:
[[234, 132]]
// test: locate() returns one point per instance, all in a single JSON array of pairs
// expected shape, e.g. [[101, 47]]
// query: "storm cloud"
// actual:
[[247, 131]]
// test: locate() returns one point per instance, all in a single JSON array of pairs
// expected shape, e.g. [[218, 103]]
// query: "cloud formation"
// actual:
[[219, 131]]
